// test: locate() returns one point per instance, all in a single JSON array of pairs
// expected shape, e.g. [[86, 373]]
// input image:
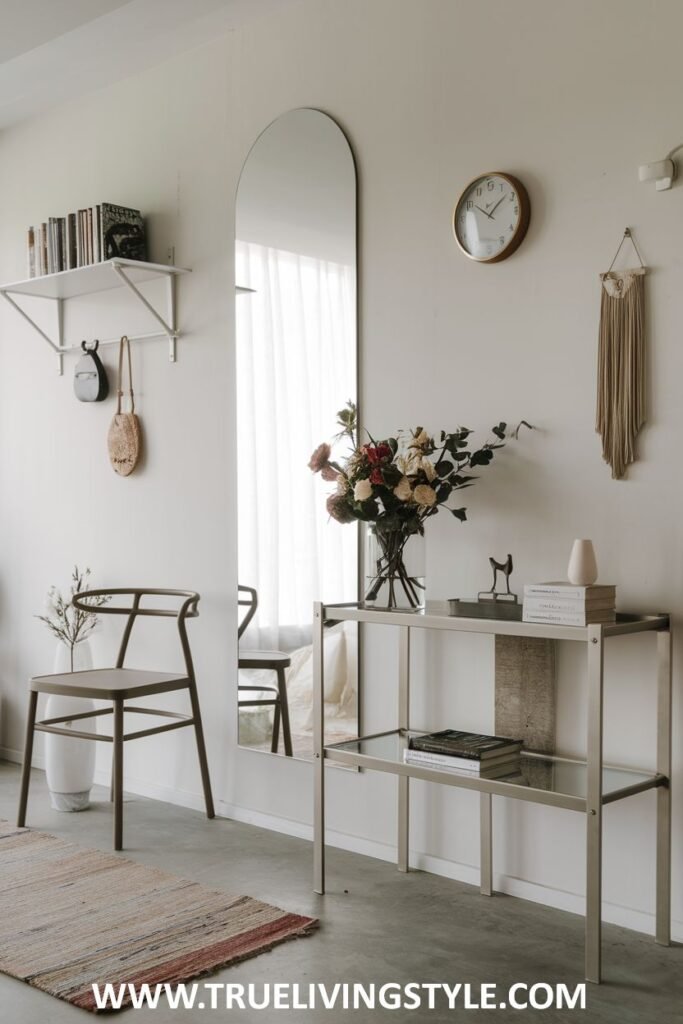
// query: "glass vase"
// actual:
[[394, 569]]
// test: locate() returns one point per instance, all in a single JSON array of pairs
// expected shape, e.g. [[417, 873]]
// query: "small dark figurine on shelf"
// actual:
[[493, 594]]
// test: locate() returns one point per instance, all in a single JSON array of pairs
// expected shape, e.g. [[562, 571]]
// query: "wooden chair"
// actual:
[[118, 685], [274, 661]]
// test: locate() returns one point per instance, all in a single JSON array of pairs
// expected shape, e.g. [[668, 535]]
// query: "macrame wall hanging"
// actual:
[[621, 362]]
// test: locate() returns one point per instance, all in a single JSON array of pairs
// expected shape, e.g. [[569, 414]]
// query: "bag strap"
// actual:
[[125, 343]]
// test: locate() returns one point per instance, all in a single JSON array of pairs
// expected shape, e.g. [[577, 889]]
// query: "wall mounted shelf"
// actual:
[[99, 277]]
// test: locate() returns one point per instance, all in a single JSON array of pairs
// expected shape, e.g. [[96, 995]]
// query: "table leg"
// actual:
[[404, 723], [486, 844], [318, 752], [663, 909], [594, 805]]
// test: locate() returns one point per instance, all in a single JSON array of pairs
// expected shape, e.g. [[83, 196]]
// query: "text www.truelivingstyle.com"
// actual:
[[342, 996]]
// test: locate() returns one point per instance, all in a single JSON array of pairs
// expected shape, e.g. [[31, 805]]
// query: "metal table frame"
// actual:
[[594, 638]]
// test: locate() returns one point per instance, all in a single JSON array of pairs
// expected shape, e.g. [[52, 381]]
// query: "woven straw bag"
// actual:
[[125, 434]]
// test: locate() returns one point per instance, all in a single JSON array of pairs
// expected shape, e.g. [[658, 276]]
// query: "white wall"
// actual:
[[571, 97]]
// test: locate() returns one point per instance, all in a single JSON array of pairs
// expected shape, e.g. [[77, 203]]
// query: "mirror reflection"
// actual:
[[296, 343]]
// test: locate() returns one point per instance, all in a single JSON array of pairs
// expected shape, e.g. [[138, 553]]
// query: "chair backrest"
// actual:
[[187, 610], [250, 602]]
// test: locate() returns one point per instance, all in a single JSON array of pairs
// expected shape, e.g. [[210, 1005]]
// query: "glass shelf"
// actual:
[[501, 620], [550, 780]]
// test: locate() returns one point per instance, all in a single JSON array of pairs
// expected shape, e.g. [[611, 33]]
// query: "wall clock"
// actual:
[[491, 217]]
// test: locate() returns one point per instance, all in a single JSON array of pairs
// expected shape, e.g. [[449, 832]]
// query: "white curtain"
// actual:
[[296, 367]]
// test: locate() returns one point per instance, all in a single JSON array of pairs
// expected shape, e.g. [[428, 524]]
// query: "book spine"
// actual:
[[576, 593], [558, 604], [43, 249], [476, 767], [567, 619], [31, 252]]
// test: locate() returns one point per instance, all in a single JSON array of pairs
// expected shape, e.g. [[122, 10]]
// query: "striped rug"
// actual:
[[72, 917]]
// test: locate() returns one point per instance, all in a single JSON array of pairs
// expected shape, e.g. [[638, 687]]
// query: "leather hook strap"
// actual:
[[125, 344]]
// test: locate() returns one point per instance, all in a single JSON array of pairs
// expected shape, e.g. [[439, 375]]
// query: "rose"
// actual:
[[376, 476], [363, 490], [425, 495], [320, 457], [377, 453], [403, 490], [427, 466]]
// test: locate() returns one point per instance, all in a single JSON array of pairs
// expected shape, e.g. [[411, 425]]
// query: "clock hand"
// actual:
[[485, 212], [496, 206]]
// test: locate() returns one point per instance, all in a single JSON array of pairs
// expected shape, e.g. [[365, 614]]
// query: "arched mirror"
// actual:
[[297, 368]]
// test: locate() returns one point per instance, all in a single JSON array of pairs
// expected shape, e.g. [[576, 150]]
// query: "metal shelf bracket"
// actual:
[[168, 325]]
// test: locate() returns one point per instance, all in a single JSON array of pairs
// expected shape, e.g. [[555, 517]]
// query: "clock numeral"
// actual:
[[490, 185], [516, 210], [512, 227], [502, 240], [470, 204], [479, 191], [512, 196]]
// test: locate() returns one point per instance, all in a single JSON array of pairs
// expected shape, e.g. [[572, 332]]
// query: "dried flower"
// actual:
[[425, 495], [67, 623], [338, 508], [403, 490], [320, 457], [427, 467], [363, 490], [329, 472], [342, 483]]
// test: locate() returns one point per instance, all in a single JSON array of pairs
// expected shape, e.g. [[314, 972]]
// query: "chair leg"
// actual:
[[284, 711], [201, 750], [28, 753], [275, 740], [111, 778], [117, 774]]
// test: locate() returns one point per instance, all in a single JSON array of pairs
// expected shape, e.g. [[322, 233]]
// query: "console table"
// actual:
[[585, 786]]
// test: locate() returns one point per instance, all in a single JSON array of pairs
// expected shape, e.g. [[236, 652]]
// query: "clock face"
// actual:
[[491, 217]]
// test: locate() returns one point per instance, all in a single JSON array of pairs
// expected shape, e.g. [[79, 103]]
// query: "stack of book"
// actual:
[[88, 236], [469, 753], [563, 604]]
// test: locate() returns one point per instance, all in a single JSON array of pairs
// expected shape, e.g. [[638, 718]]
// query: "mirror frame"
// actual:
[[359, 419]]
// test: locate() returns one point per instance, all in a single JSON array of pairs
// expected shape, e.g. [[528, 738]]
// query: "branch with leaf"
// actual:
[[68, 624]]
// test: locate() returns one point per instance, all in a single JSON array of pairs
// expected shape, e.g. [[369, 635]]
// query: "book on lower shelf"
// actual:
[[565, 604], [490, 768], [472, 747]]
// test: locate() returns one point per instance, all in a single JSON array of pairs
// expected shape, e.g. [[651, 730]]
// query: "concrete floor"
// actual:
[[376, 925]]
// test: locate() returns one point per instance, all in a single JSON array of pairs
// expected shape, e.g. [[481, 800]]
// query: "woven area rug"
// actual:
[[71, 917]]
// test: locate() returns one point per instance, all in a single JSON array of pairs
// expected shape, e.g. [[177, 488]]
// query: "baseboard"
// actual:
[[613, 913]]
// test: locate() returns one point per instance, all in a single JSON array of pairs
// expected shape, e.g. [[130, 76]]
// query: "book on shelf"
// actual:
[[476, 769], [592, 592], [453, 761], [121, 232], [549, 603], [470, 745], [31, 251], [90, 235], [577, 618]]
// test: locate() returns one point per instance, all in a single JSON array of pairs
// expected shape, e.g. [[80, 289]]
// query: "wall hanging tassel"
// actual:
[[621, 362]]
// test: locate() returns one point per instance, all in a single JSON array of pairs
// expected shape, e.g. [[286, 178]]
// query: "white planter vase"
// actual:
[[582, 570], [70, 763]]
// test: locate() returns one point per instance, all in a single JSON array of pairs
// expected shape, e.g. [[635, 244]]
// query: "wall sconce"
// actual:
[[662, 172]]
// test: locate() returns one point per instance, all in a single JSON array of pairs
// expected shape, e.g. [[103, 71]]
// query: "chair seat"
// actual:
[[109, 683], [263, 659]]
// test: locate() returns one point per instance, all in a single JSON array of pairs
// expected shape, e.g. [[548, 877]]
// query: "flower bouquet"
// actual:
[[395, 485]]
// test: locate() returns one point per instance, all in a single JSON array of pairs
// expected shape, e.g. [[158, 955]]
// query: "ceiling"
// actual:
[[51, 50]]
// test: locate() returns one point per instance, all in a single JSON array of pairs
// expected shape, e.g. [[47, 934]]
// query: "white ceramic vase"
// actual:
[[70, 763], [582, 570]]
